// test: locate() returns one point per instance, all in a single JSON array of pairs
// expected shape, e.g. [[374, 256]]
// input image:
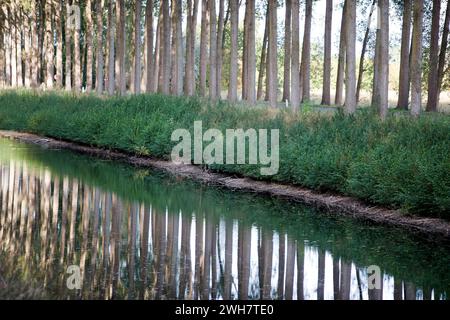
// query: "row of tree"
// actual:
[[134, 250], [114, 46]]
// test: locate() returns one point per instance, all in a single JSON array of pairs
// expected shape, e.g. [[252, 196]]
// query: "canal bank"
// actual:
[[436, 229]]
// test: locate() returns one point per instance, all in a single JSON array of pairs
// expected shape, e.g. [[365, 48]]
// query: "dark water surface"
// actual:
[[140, 234]]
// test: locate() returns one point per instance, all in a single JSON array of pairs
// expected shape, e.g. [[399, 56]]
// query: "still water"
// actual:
[[140, 234]]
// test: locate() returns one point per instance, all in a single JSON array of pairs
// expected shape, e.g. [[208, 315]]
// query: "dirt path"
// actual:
[[434, 229]]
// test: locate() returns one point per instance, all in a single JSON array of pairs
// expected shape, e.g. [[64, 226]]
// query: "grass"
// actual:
[[399, 163]]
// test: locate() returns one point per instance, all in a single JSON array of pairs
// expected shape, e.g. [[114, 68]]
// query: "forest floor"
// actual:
[[434, 228]]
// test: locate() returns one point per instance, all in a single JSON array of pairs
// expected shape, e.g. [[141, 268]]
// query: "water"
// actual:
[[140, 234]]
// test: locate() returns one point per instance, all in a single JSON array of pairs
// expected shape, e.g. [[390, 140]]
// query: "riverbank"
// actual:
[[402, 164], [433, 227]]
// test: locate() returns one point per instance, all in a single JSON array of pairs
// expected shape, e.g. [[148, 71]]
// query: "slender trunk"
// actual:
[[212, 50], [433, 77], [166, 47], [403, 92], [191, 22], [177, 43], [89, 45], [262, 61], [149, 65], [59, 43], [251, 54], [305, 69], [287, 51], [295, 60], [326, 86], [363, 52], [203, 48], [383, 59], [443, 53], [49, 45], [13, 31], [77, 55], [34, 47], [272, 73], [68, 53], [111, 48], [27, 52], [220, 36], [100, 58], [338, 100], [232, 88], [137, 47], [120, 54], [350, 78], [416, 59]]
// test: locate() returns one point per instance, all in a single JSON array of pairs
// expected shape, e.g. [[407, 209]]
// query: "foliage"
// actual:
[[400, 162]]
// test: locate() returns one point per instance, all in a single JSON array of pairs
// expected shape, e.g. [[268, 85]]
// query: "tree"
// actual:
[[443, 53], [220, 37], [121, 42], [305, 68], [416, 59], [137, 47], [232, 86], [287, 51], [48, 45], [403, 92], [249, 59], [212, 49], [177, 44], [295, 59], [149, 65], [59, 43], [203, 47], [350, 36], [166, 48], [100, 59], [68, 45], [433, 77], [77, 55], [326, 87], [191, 22], [272, 69], [381, 98], [263, 58], [341, 60], [89, 46], [34, 46], [111, 48]]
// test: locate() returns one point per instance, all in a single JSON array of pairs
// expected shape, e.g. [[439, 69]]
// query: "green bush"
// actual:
[[400, 162]]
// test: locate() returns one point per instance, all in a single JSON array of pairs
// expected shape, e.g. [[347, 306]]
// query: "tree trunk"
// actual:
[[232, 87], [433, 77], [120, 54], [383, 59], [77, 55], [403, 92], [49, 45], [262, 61], [13, 38], [244, 54], [203, 47], [443, 53], [363, 52], [305, 69], [350, 78], [59, 43], [191, 22], [251, 54], [137, 47], [220, 36], [341, 60], [326, 87], [179, 48], [100, 58], [111, 48], [166, 47], [295, 60], [287, 51], [149, 64], [68, 45], [27, 52], [34, 47], [212, 50], [416, 59], [89, 46], [272, 69]]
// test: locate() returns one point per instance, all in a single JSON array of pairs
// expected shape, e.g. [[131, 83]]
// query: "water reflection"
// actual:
[[163, 245]]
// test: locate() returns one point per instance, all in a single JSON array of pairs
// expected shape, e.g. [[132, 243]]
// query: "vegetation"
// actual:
[[399, 162]]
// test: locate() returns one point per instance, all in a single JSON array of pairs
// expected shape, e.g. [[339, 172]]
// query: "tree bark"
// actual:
[[416, 59], [403, 92], [295, 60], [49, 45], [263, 59], [443, 53], [120, 54], [212, 50], [59, 43], [111, 48], [232, 87], [89, 46], [272, 55], [191, 22], [326, 87], [341, 60], [433, 77], [77, 55], [305, 68], [100, 58], [251, 54], [383, 59], [220, 37], [203, 48], [137, 47], [287, 51], [149, 64], [363, 52], [68, 45], [34, 46], [350, 78], [26, 53]]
